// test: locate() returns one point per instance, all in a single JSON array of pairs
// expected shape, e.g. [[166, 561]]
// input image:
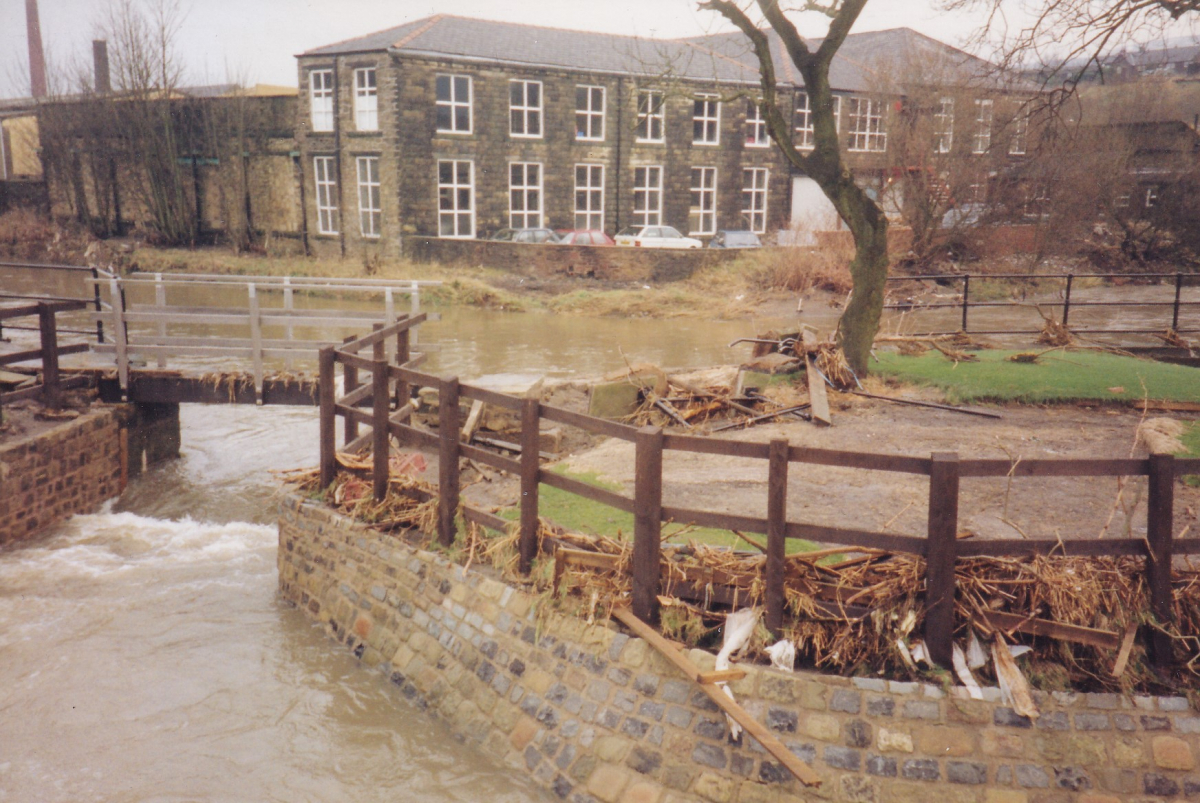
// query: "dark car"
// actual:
[[525, 236], [585, 237], [735, 239]]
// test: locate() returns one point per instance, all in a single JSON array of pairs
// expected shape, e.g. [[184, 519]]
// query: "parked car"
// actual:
[[731, 238], [655, 237], [585, 237], [525, 236]]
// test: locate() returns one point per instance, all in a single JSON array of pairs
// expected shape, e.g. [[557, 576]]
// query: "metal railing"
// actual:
[[145, 329], [1177, 304]]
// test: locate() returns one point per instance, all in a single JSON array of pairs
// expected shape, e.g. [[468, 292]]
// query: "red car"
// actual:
[[585, 237]]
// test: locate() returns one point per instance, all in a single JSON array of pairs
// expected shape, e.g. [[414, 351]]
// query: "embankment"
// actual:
[[592, 714]]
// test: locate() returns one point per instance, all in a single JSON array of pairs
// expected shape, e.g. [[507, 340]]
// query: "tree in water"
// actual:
[[862, 214]]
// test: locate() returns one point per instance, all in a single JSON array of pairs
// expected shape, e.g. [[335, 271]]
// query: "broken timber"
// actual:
[[816, 383], [916, 403], [738, 714]]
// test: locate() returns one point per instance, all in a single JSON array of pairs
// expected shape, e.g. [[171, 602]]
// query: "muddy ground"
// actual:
[[1075, 507]]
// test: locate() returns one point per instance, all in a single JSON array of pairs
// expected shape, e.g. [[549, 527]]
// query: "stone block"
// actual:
[[716, 788], [944, 741], [894, 741], [1172, 753], [607, 782], [823, 727]]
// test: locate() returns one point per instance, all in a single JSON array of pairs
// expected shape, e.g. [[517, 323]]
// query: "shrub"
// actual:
[[19, 226], [798, 270]]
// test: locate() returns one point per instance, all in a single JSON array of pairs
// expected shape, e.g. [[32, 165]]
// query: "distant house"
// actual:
[[455, 127]]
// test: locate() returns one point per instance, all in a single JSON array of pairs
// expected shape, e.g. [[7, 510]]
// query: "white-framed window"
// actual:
[[589, 196], [369, 210], [756, 126], [589, 112], [804, 121], [454, 103], [525, 108], [525, 195], [943, 126], [702, 218], [983, 126], [867, 132], [706, 120], [366, 100], [456, 198], [647, 195], [325, 175], [1020, 135], [650, 116], [320, 95], [754, 197]]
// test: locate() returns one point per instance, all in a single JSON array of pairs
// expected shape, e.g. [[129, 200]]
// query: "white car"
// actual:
[[655, 237]]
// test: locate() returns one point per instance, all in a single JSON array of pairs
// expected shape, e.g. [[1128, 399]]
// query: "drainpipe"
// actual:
[[620, 139], [337, 149]]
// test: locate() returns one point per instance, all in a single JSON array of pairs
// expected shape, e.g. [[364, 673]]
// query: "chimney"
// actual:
[[37, 58], [100, 66]]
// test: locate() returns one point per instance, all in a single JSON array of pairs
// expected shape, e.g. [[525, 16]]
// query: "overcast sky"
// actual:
[[258, 39]]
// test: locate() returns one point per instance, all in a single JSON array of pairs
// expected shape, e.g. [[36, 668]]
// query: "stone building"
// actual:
[[455, 128]]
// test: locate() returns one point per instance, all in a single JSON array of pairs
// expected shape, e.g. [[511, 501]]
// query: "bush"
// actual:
[[20, 226], [798, 270]]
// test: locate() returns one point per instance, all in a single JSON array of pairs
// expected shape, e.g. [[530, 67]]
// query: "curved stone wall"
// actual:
[[593, 714]]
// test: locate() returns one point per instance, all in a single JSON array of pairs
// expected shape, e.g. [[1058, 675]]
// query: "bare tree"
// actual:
[[863, 216]]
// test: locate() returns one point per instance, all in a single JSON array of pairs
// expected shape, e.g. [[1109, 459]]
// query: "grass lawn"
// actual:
[[581, 515], [1056, 376]]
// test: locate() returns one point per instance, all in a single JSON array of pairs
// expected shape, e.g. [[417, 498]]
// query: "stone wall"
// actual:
[[607, 263], [594, 715], [48, 477]]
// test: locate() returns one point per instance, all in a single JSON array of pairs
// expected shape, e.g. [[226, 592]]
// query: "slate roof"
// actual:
[[724, 57]]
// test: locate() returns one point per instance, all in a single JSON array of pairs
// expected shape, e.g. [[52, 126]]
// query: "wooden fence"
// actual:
[[388, 392], [50, 389], [1176, 304]]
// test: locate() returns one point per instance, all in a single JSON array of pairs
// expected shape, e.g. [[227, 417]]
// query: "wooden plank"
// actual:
[[485, 519], [1190, 465], [717, 521], [414, 436], [916, 403], [764, 737], [36, 354], [579, 488], [491, 397], [1048, 467], [596, 426], [1168, 406], [496, 461], [328, 419], [472, 422], [875, 462], [447, 460], [647, 523], [721, 675], [353, 393], [867, 539], [379, 425], [1102, 639], [816, 383], [1159, 531], [777, 478], [1089, 547], [940, 557], [1126, 648], [529, 468], [702, 445]]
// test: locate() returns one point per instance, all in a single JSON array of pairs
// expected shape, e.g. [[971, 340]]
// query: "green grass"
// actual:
[[1057, 376], [1191, 443], [576, 514]]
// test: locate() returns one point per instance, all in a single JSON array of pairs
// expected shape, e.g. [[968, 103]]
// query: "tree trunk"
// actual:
[[860, 319]]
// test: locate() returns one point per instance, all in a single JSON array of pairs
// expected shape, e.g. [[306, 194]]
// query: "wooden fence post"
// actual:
[[51, 389], [326, 360], [1159, 524], [379, 424], [402, 357], [349, 384], [647, 523], [1067, 299], [447, 459], [777, 480], [941, 550], [530, 448]]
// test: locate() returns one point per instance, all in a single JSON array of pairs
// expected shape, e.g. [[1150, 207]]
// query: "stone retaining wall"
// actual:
[[593, 715], [48, 477]]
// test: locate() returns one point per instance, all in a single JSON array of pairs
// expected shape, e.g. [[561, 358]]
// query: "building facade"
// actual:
[[456, 128]]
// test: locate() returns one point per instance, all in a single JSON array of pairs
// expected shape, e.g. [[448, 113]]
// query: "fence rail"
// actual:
[[50, 389], [1177, 304], [386, 397]]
